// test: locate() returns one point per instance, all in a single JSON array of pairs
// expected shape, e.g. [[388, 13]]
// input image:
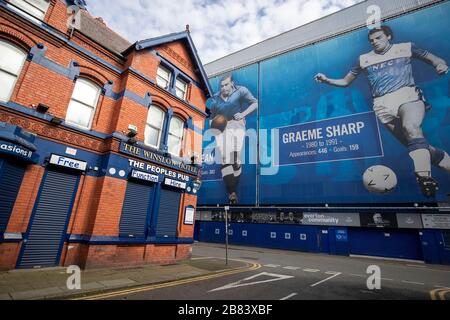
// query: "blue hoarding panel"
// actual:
[[393, 243], [288, 237]]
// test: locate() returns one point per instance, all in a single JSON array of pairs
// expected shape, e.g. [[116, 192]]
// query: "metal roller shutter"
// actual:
[[49, 222], [137, 202], [169, 207], [11, 176]]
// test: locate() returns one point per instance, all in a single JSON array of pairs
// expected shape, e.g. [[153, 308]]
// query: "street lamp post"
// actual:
[[226, 234]]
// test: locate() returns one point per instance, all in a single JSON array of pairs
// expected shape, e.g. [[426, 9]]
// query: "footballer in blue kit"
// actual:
[[235, 103], [398, 102]]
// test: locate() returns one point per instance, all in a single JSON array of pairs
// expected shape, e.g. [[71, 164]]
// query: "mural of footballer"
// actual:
[[229, 108], [398, 103]]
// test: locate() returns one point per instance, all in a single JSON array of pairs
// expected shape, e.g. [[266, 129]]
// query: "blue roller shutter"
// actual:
[[11, 176], [138, 199], [169, 207], [48, 225]]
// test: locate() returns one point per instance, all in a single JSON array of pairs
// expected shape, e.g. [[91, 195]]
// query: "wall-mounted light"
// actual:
[[132, 141], [197, 184], [56, 121], [42, 108], [132, 131]]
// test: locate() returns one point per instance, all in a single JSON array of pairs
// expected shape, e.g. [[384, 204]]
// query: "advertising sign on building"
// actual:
[[409, 221], [378, 220], [144, 176], [436, 221], [331, 219], [68, 162]]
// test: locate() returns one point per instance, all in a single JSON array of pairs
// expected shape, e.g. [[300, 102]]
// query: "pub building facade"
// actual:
[[99, 140]]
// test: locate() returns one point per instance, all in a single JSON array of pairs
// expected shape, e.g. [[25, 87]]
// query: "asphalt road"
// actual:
[[288, 275]]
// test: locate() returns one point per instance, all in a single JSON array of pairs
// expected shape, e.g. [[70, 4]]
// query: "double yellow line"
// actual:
[[251, 267], [439, 294]]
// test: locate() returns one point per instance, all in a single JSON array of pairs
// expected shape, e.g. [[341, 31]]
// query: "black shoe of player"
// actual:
[[233, 198], [428, 186]]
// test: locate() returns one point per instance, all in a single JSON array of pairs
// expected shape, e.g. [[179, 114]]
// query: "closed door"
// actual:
[[169, 208], [46, 232], [11, 176]]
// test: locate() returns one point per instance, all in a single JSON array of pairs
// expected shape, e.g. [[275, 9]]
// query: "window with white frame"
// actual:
[[181, 89], [36, 8], [154, 127], [83, 104], [176, 130], [12, 60], [163, 76]]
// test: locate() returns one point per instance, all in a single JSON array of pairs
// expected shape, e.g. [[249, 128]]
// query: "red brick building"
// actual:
[[98, 140]]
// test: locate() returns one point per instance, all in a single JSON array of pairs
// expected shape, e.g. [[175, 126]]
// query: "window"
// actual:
[[154, 127], [163, 76], [11, 63], [175, 136], [83, 104], [181, 89], [35, 8]]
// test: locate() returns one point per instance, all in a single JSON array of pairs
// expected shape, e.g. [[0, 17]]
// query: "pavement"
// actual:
[[51, 283]]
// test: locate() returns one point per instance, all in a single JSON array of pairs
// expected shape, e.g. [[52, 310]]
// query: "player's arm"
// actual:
[[438, 63], [343, 83], [250, 109], [247, 98]]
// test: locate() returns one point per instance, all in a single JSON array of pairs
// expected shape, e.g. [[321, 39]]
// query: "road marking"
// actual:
[[331, 272], [357, 275], [272, 265], [329, 278], [441, 287], [289, 296], [412, 282], [439, 294], [202, 258], [276, 277], [108, 295], [311, 270], [292, 268], [416, 266], [387, 279], [443, 293]]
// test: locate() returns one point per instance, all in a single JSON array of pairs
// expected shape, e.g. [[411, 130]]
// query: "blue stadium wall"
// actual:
[[291, 101]]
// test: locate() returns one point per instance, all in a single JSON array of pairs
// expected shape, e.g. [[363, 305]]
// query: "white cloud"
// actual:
[[217, 27]]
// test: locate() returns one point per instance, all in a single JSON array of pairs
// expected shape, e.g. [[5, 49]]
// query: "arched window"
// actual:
[[154, 127], [176, 131], [83, 104], [35, 8], [11, 63]]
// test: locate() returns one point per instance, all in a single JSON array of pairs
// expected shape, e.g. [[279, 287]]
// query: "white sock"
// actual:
[[445, 163], [422, 162]]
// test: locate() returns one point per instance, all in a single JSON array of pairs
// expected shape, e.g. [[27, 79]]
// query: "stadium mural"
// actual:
[[361, 118]]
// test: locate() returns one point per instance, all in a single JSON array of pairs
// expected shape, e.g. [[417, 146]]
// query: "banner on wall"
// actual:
[[229, 156], [436, 221], [332, 121], [378, 220]]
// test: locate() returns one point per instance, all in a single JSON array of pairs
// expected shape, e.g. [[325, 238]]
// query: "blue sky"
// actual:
[[217, 27]]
